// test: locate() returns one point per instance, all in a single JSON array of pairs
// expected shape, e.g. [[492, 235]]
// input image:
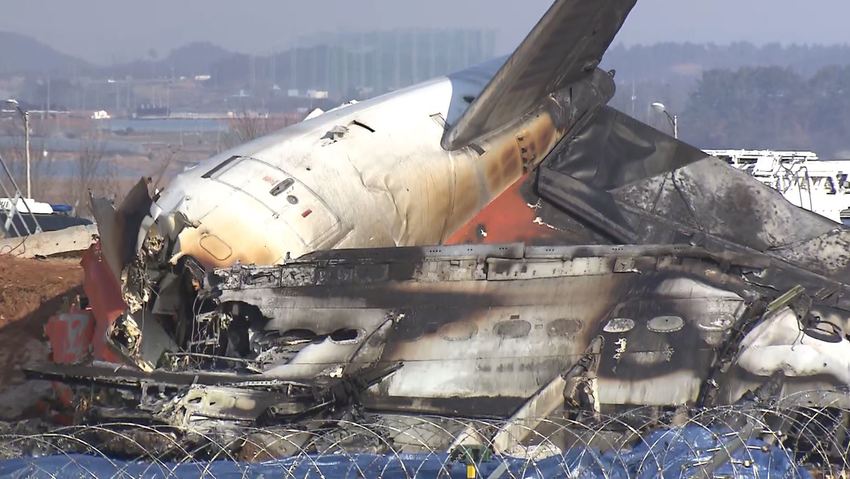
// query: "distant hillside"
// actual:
[[22, 54], [193, 59]]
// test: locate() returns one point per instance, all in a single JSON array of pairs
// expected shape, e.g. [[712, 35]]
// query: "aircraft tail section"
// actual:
[[563, 48]]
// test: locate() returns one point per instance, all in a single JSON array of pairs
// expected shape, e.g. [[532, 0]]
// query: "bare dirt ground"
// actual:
[[31, 290]]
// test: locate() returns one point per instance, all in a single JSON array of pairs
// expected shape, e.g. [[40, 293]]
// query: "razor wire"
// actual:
[[789, 438]]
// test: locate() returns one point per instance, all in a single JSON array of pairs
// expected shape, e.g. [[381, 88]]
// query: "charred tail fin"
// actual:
[[564, 47]]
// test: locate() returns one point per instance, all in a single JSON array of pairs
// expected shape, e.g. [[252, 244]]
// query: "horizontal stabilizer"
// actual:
[[610, 152], [614, 149]]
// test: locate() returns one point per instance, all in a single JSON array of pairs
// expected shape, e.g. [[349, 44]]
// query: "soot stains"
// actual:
[[513, 328]]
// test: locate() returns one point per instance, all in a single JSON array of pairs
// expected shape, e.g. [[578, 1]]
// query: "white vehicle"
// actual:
[[25, 216], [25, 206]]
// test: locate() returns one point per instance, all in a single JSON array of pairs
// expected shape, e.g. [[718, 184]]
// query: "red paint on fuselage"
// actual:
[[507, 219]]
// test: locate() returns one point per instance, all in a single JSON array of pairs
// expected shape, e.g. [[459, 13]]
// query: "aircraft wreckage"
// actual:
[[584, 262]]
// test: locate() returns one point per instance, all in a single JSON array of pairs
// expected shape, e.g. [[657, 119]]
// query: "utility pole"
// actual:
[[47, 107], [26, 117]]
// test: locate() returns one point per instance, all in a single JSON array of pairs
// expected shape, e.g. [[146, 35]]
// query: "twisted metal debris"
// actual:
[[785, 439]]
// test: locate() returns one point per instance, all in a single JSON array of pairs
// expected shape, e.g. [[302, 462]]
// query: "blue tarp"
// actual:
[[668, 453]]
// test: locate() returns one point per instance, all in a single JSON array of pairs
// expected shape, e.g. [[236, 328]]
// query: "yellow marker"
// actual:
[[470, 471]]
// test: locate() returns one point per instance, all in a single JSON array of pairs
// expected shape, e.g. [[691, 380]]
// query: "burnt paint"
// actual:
[[564, 327], [458, 331], [512, 329], [651, 354], [478, 313]]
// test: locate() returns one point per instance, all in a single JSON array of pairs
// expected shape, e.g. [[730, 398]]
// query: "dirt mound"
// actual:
[[31, 291], [28, 285]]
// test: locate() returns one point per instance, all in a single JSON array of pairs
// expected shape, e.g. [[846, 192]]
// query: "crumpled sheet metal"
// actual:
[[81, 334], [619, 181], [70, 336], [467, 315], [105, 300], [119, 228]]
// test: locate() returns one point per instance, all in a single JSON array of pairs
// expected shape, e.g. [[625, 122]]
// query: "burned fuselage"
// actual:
[[480, 330], [259, 286]]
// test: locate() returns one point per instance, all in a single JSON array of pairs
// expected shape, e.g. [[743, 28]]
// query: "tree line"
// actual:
[[771, 107]]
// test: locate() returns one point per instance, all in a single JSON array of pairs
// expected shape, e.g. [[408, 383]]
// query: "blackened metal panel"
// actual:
[[614, 150], [119, 228], [594, 207], [635, 184]]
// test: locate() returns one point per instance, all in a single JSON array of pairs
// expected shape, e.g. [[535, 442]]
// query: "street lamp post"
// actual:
[[673, 119], [26, 116]]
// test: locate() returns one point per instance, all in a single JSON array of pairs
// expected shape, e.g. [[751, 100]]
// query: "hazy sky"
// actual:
[[118, 30]]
